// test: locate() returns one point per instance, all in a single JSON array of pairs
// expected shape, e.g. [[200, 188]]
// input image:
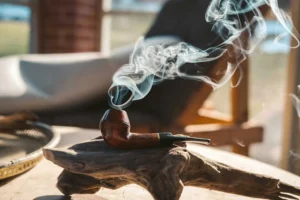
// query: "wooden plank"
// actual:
[[291, 136], [242, 135], [239, 97], [208, 116], [239, 94]]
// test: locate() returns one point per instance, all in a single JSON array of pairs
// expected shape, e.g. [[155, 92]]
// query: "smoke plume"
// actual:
[[151, 64]]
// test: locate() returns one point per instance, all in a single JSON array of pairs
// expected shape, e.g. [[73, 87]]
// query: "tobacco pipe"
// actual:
[[115, 128]]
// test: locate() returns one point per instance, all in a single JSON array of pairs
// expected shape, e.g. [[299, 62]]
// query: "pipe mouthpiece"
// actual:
[[205, 141], [167, 139]]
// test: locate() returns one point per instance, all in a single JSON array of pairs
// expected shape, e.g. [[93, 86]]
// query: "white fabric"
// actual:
[[39, 82]]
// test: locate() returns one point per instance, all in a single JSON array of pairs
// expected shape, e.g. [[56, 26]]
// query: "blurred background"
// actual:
[[127, 20]]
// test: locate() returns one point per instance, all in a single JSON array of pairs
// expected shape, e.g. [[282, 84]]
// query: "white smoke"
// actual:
[[151, 64]]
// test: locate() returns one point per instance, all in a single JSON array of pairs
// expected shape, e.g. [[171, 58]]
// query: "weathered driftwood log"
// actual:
[[93, 164]]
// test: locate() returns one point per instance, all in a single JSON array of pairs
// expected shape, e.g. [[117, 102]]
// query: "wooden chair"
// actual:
[[174, 104], [223, 130]]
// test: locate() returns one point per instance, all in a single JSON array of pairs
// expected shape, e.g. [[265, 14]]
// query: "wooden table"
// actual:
[[39, 183]]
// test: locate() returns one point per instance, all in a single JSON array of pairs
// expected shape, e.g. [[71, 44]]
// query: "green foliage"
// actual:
[[126, 29], [14, 38]]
